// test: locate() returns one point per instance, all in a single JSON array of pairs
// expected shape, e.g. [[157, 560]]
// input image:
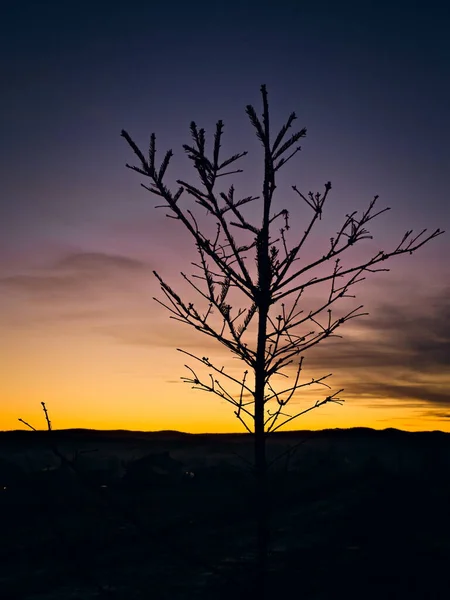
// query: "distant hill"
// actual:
[[324, 451], [124, 435]]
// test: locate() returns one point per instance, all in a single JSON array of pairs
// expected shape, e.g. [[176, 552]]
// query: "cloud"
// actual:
[[399, 358], [427, 391], [75, 274], [435, 414], [146, 330], [95, 261], [79, 292], [401, 353]]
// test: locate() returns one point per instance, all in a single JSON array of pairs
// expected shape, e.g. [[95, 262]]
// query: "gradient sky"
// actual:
[[79, 237]]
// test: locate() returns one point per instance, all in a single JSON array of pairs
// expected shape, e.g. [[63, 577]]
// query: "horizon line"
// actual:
[[240, 433]]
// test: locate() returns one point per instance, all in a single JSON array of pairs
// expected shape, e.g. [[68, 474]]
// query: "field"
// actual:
[[354, 513]]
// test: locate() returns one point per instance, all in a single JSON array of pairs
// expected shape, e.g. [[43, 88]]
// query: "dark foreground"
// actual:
[[356, 514]]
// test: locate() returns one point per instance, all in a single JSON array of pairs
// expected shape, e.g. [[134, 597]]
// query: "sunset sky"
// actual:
[[79, 237]]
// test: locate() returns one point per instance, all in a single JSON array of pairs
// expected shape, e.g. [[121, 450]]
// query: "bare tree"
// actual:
[[250, 282]]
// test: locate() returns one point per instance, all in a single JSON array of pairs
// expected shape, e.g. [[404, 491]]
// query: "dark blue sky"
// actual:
[[370, 80]]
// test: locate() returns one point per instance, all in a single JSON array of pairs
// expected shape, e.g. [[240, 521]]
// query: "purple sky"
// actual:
[[79, 237]]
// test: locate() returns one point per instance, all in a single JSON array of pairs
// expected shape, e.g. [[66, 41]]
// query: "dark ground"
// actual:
[[355, 514]]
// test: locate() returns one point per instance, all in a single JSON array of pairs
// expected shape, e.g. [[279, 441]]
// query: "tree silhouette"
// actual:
[[250, 282]]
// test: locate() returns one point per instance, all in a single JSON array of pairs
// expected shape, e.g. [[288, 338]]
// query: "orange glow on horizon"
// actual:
[[89, 382]]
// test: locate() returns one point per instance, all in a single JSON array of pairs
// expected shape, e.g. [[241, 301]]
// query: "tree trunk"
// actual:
[[263, 302], [261, 504]]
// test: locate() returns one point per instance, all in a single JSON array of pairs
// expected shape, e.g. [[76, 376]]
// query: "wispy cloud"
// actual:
[[435, 414], [74, 276], [74, 273], [149, 330], [399, 358], [93, 261], [82, 290], [402, 353]]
